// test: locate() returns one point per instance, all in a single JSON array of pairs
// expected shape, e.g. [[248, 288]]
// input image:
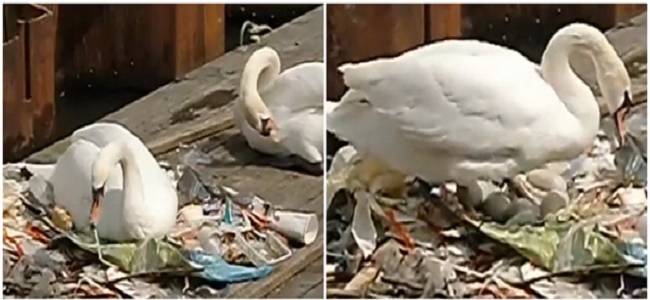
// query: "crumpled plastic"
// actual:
[[216, 269], [561, 247], [363, 230], [342, 164], [153, 255], [636, 251], [149, 255]]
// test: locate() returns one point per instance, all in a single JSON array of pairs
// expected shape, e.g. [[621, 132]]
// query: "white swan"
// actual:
[[107, 163], [463, 110], [282, 113]]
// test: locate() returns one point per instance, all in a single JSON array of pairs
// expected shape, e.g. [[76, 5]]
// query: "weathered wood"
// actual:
[[283, 273], [41, 41], [215, 40], [307, 284], [140, 46], [29, 90], [358, 32], [443, 21], [13, 93]]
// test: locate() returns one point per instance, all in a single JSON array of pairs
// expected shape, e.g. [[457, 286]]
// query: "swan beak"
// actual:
[[619, 119], [268, 126], [98, 195]]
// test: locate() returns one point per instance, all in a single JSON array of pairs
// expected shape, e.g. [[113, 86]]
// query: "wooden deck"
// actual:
[[197, 109]]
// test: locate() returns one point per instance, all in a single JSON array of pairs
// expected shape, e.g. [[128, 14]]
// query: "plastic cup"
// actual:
[[296, 226]]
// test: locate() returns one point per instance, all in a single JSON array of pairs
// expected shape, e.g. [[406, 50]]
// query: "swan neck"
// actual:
[[261, 69], [570, 89], [132, 181]]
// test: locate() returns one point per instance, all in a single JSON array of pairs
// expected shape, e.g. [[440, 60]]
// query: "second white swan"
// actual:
[[282, 113]]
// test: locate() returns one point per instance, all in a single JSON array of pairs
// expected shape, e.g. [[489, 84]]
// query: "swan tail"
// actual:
[[361, 75]]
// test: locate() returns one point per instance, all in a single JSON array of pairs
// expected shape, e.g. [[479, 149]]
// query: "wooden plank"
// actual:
[[214, 33], [13, 93], [283, 272], [188, 36], [315, 293], [29, 94], [394, 28], [443, 21], [306, 284], [41, 53]]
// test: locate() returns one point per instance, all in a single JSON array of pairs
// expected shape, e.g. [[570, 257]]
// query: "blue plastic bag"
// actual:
[[216, 269]]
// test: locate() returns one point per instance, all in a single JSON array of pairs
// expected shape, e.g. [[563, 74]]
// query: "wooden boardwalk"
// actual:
[[197, 109]]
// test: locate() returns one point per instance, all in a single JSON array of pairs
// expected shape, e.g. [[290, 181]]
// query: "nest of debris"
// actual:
[[573, 229]]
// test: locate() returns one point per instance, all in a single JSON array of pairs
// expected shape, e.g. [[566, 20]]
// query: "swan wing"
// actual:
[[297, 88], [481, 105], [465, 47], [71, 180], [302, 134]]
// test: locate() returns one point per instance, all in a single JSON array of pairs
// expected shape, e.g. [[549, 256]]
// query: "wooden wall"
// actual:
[[28, 78], [367, 31], [60, 47], [146, 45]]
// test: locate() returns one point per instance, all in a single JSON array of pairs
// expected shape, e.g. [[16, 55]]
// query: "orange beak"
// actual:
[[619, 119], [98, 195]]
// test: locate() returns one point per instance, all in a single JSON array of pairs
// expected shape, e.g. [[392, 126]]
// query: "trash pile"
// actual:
[[573, 229], [222, 237]]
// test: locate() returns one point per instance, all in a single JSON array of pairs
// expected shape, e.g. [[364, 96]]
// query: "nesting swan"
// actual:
[[462, 110], [281, 113], [107, 163]]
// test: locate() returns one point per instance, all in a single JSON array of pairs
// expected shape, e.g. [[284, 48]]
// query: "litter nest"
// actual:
[[574, 229], [221, 237]]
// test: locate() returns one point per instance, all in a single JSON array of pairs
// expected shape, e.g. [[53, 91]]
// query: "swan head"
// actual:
[[258, 116], [100, 170]]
